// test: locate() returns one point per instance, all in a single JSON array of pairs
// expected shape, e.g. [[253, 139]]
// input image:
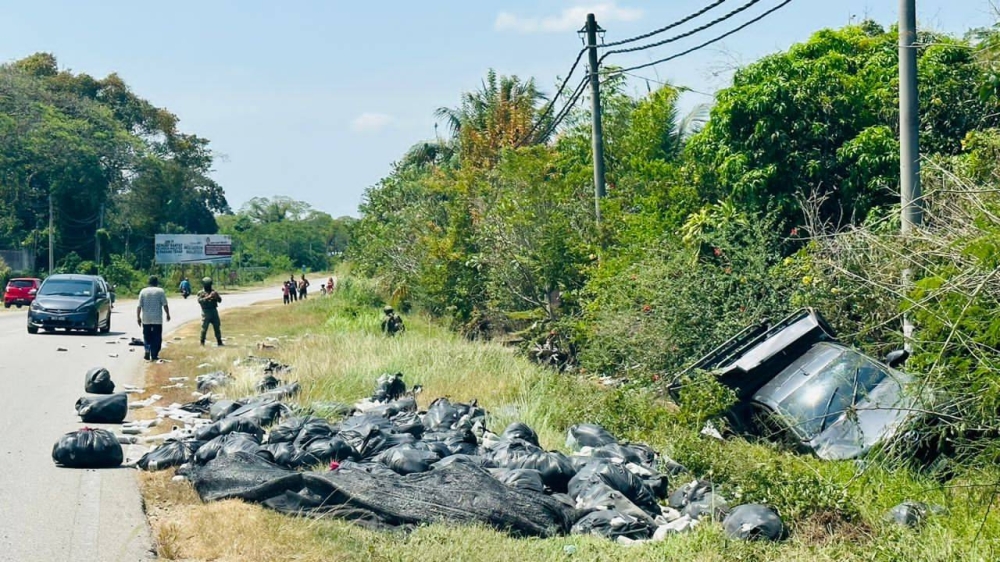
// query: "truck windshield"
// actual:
[[838, 379]]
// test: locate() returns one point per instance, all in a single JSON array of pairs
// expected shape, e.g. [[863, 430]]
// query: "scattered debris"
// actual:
[[145, 403], [61, 349]]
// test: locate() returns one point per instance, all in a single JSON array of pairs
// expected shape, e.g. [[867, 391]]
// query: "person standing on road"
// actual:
[[149, 314], [285, 293], [303, 287], [293, 286], [209, 300]]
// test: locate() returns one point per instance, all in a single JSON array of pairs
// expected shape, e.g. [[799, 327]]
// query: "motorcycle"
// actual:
[[186, 293]]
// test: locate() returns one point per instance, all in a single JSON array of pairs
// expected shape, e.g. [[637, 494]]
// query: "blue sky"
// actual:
[[315, 99]]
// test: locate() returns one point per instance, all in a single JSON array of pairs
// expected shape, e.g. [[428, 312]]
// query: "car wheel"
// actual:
[[107, 327], [32, 330], [19, 306], [6, 305]]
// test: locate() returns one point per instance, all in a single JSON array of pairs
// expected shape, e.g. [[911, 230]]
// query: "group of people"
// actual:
[[153, 309], [293, 290]]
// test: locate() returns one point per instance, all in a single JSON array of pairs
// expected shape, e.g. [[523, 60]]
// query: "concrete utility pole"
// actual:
[[52, 262], [909, 142], [595, 103], [909, 118]]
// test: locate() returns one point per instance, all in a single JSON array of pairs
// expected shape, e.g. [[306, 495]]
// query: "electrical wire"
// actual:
[[706, 43], [665, 28], [698, 29], [564, 112], [552, 103]]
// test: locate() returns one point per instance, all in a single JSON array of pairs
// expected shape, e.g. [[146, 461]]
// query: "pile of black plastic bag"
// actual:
[[386, 464]]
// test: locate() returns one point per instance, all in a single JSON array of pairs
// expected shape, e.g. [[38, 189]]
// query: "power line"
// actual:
[[706, 43], [552, 103], [663, 83], [665, 28], [698, 29], [564, 112]]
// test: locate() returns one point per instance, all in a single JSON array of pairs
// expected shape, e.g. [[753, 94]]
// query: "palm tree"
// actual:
[[498, 115]]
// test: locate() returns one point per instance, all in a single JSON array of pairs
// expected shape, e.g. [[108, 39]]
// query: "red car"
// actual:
[[20, 292]]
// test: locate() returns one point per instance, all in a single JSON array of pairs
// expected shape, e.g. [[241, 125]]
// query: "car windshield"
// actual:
[[838, 379], [21, 283], [67, 288]]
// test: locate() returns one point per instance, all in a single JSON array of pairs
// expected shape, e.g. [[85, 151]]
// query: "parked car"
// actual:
[[71, 302], [20, 292], [795, 383]]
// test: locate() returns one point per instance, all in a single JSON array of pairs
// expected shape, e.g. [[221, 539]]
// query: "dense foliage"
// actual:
[[117, 169]]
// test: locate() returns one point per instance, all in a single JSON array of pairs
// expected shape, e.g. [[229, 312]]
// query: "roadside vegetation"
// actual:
[[835, 510]]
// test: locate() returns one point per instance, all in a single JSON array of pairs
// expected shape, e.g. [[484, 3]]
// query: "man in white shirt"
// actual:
[[149, 314]]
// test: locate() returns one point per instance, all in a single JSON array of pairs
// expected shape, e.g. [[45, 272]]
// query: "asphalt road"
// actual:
[[49, 513]]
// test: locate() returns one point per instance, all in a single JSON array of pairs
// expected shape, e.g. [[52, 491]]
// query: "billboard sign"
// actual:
[[193, 249]]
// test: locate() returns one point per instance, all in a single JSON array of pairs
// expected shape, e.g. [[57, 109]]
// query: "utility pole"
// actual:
[[97, 236], [909, 146], [595, 104], [52, 262], [909, 119]]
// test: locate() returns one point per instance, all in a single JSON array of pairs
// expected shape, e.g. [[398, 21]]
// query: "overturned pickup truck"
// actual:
[[796, 383]]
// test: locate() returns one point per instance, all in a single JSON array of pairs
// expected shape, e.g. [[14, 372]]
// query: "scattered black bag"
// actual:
[[265, 412], [588, 435], [474, 460], [372, 442], [637, 453], [103, 409], [458, 441], [408, 460], [279, 453], [287, 430], [907, 514], [314, 429], [389, 387], [284, 391], [88, 448], [555, 468], [268, 382], [167, 455], [692, 491], [408, 422], [600, 496], [208, 382], [223, 408], [229, 425], [201, 406], [98, 381], [611, 524], [521, 478], [322, 451], [519, 430], [710, 505], [226, 445], [616, 477], [508, 454], [754, 522]]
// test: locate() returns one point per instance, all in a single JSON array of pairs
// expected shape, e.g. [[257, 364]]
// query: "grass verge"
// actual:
[[835, 510]]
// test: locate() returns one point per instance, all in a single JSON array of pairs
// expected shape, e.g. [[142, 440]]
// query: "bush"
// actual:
[[86, 268], [5, 273], [120, 273]]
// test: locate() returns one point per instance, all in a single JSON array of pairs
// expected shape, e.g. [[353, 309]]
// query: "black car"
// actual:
[[796, 383], [71, 302]]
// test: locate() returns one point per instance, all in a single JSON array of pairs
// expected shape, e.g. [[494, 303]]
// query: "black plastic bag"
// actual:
[[408, 460], [265, 412], [279, 453], [458, 442], [616, 477], [611, 524], [322, 451], [600, 496], [167, 455], [637, 453], [223, 408], [287, 430], [588, 435], [507, 454], [266, 383], [227, 444], [408, 422], [554, 467], [229, 425], [710, 505], [389, 387], [444, 416], [754, 522], [474, 460], [521, 478], [201, 406], [519, 430], [98, 381], [907, 514], [211, 381], [88, 448], [407, 404], [284, 391], [369, 441], [314, 429], [103, 409], [691, 491]]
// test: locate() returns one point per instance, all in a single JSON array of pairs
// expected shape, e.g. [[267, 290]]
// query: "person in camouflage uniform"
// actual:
[[209, 300], [392, 324]]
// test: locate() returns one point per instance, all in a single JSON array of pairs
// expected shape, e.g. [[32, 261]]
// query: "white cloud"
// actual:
[[370, 122], [570, 19]]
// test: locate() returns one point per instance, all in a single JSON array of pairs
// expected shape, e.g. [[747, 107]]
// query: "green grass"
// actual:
[[835, 510]]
